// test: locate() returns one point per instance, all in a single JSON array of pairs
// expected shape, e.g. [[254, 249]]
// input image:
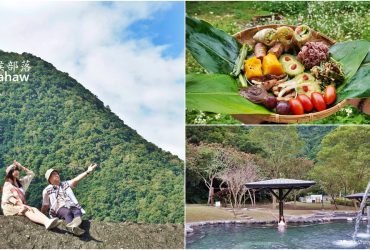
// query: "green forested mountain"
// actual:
[[237, 136], [312, 137], [241, 138], [52, 121]]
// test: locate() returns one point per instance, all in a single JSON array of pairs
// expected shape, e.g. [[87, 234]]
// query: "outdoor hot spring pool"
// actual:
[[326, 235]]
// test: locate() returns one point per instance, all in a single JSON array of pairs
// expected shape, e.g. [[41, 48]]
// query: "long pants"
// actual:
[[68, 214]]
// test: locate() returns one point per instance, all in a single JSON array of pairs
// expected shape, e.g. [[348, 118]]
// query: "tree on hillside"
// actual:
[[345, 153], [231, 136], [312, 136], [329, 180], [279, 145]]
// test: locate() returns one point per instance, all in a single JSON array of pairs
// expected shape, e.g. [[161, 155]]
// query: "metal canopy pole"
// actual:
[[363, 210], [281, 204], [359, 201], [280, 197]]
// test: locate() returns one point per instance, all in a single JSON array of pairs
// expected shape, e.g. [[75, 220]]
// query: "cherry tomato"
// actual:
[[330, 94], [306, 102], [296, 106], [318, 101]]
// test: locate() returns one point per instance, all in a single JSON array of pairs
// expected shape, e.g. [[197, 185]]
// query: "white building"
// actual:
[[313, 198]]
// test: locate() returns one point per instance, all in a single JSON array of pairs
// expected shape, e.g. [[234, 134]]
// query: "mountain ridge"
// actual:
[[53, 121]]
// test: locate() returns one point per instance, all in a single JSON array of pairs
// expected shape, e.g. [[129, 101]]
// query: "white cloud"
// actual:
[[85, 39]]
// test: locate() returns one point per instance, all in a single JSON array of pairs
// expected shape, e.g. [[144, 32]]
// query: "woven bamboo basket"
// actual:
[[246, 37]]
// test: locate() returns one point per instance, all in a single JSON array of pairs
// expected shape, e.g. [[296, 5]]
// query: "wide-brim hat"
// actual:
[[9, 168], [49, 172]]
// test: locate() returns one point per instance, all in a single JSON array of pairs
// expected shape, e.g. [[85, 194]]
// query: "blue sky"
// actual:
[[165, 27], [130, 54]]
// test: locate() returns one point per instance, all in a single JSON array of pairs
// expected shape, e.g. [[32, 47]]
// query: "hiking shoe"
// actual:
[[76, 222], [52, 223], [75, 230], [62, 223]]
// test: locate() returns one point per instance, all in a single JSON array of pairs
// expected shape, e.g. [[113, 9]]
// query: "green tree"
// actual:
[[298, 168], [279, 145], [344, 160], [328, 179], [206, 161]]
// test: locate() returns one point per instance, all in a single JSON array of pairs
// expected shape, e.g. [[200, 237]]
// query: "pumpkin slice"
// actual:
[[271, 65], [252, 67]]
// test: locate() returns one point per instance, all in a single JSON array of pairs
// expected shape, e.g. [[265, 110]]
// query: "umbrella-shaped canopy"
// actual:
[[357, 196], [280, 185]]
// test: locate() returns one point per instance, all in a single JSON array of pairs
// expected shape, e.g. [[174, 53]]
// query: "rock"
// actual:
[[22, 233], [188, 229]]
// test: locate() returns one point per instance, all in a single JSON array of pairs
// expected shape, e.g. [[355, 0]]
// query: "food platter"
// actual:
[[275, 73], [246, 37]]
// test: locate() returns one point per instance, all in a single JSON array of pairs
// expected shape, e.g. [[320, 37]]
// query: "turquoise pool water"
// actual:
[[326, 235]]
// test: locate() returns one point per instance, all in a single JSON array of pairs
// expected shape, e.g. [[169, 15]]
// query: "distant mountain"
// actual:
[[52, 121], [312, 136]]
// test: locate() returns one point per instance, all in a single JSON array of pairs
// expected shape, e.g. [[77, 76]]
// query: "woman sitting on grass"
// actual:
[[13, 200]]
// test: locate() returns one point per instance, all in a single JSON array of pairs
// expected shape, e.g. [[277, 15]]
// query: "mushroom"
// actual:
[[269, 81]]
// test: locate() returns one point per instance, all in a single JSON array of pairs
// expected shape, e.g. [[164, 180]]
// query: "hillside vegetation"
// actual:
[[52, 121]]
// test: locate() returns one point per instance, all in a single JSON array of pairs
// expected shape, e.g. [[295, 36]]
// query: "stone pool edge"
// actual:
[[189, 226]]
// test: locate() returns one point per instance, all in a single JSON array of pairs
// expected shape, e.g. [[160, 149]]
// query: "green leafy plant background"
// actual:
[[342, 21]]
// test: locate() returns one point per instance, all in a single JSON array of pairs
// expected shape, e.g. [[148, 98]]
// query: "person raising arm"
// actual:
[[59, 197]]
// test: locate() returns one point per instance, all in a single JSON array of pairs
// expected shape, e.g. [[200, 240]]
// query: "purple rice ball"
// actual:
[[313, 53]]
